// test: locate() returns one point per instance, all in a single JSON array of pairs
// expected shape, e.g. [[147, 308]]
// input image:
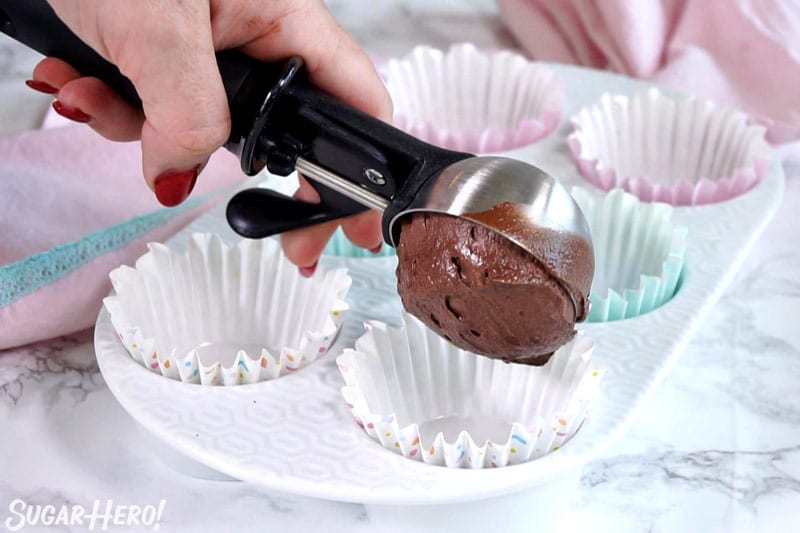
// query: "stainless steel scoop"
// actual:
[[474, 185], [282, 122]]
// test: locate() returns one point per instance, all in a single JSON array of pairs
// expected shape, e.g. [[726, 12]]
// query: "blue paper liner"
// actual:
[[340, 246], [639, 254]]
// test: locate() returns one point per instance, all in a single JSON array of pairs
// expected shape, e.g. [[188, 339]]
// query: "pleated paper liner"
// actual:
[[639, 254], [225, 315], [684, 151], [475, 101], [419, 396]]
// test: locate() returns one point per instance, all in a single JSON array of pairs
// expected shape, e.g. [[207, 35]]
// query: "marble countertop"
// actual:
[[716, 448]]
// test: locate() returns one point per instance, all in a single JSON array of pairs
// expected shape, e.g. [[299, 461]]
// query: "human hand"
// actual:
[[166, 49]]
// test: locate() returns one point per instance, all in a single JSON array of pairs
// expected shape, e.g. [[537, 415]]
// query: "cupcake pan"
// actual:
[[470, 100], [224, 315], [684, 151], [639, 254], [296, 435], [421, 397]]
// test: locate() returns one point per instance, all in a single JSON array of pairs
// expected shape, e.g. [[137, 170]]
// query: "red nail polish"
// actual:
[[72, 113], [376, 249], [173, 187], [41, 86], [308, 271]]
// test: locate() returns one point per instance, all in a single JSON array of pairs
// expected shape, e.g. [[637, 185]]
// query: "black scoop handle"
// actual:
[[277, 115]]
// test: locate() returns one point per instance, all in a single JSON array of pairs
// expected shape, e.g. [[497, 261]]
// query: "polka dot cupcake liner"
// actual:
[[684, 151], [225, 315], [421, 397], [639, 254], [475, 101]]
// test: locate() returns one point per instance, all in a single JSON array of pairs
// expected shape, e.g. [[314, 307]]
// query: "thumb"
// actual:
[[166, 49], [183, 99]]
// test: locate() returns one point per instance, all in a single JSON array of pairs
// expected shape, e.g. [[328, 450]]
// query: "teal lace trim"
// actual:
[[36, 271]]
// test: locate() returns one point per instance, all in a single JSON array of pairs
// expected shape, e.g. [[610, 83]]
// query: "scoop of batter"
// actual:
[[484, 293]]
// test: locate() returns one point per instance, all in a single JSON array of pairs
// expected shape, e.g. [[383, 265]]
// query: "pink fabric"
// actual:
[[72, 303], [740, 53], [58, 185]]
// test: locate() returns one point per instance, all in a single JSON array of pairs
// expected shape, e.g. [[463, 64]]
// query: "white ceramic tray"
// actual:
[[295, 435]]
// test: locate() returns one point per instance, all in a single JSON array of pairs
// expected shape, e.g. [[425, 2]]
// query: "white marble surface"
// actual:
[[717, 448]]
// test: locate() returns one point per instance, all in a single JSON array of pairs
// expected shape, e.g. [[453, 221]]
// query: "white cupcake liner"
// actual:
[[220, 315], [639, 254], [466, 99], [422, 397], [680, 151]]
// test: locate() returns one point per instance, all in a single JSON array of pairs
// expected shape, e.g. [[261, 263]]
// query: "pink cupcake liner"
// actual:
[[467, 99], [681, 152]]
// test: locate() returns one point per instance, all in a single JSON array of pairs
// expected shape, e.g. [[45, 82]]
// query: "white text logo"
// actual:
[[102, 515]]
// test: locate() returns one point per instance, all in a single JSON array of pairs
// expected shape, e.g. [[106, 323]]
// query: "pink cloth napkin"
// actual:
[[74, 206], [740, 53]]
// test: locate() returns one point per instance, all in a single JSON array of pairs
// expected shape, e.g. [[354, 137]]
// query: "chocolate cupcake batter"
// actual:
[[484, 293]]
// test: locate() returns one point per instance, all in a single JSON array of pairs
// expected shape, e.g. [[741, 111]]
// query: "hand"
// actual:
[[166, 49]]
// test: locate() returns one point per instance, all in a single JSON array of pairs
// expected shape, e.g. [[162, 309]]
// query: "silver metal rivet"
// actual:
[[374, 176]]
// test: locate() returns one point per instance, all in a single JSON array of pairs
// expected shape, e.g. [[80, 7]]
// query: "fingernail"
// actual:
[[308, 271], [72, 113], [41, 86], [377, 248], [173, 187]]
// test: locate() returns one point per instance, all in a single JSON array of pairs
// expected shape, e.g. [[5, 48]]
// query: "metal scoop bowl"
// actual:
[[468, 188]]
